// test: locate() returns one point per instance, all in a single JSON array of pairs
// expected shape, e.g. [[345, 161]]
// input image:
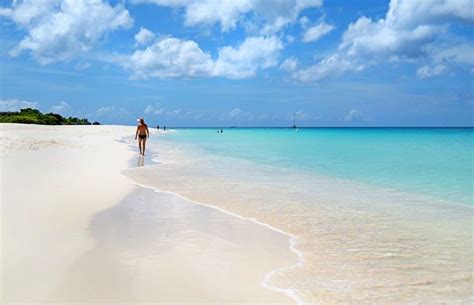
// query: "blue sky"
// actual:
[[241, 62]]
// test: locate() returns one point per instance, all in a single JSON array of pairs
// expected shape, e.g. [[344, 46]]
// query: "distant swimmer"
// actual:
[[158, 127], [142, 134]]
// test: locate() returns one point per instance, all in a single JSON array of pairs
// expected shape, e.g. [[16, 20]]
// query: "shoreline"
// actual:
[[55, 146], [356, 216], [292, 239], [287, 236]]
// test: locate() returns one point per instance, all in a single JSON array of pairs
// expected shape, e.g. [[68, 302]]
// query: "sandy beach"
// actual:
[[297, 152], [75, 230]]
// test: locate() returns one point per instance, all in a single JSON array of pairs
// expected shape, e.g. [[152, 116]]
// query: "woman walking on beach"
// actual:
[[142, 134]]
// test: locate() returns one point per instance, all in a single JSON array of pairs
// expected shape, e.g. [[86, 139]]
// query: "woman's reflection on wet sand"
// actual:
[[141, 161]]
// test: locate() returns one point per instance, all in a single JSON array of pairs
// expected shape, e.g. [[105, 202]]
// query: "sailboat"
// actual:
[[294, 122]]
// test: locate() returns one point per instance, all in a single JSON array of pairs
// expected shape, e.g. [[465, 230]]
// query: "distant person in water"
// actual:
[[158, 127], [142, 134]]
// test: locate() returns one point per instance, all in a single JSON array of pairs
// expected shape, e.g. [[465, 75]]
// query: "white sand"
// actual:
[[72, 231], [53, 181]]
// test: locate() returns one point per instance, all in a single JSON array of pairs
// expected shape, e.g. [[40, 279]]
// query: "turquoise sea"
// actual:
[[437, 162], [379, 215]]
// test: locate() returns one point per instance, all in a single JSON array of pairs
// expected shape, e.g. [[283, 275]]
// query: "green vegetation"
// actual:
[[34, 116]]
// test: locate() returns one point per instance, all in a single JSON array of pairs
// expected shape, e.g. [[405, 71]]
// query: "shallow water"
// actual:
[[363, 242], [433, 161]]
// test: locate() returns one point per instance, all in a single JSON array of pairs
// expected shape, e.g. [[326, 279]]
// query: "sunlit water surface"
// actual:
[[381, 215]]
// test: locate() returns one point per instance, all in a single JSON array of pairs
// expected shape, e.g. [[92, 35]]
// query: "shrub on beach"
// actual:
[[34, 116]]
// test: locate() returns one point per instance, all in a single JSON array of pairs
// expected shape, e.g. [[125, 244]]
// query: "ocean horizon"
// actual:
[[314, 127]]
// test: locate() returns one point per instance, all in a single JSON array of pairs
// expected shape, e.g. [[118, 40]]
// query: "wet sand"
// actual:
[[160, 247]]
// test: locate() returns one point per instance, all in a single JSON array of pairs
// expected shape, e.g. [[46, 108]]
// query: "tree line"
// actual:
[[34, 116]]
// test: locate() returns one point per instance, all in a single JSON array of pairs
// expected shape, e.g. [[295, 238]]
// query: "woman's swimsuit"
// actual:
[[142, 136]]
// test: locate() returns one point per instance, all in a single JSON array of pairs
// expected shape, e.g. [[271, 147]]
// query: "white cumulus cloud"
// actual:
[[170, 57], [274, 14], [57, 30], [177, 58], [366, 38], [407, 30], [410, 30], [144, 36], [253, 54]]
